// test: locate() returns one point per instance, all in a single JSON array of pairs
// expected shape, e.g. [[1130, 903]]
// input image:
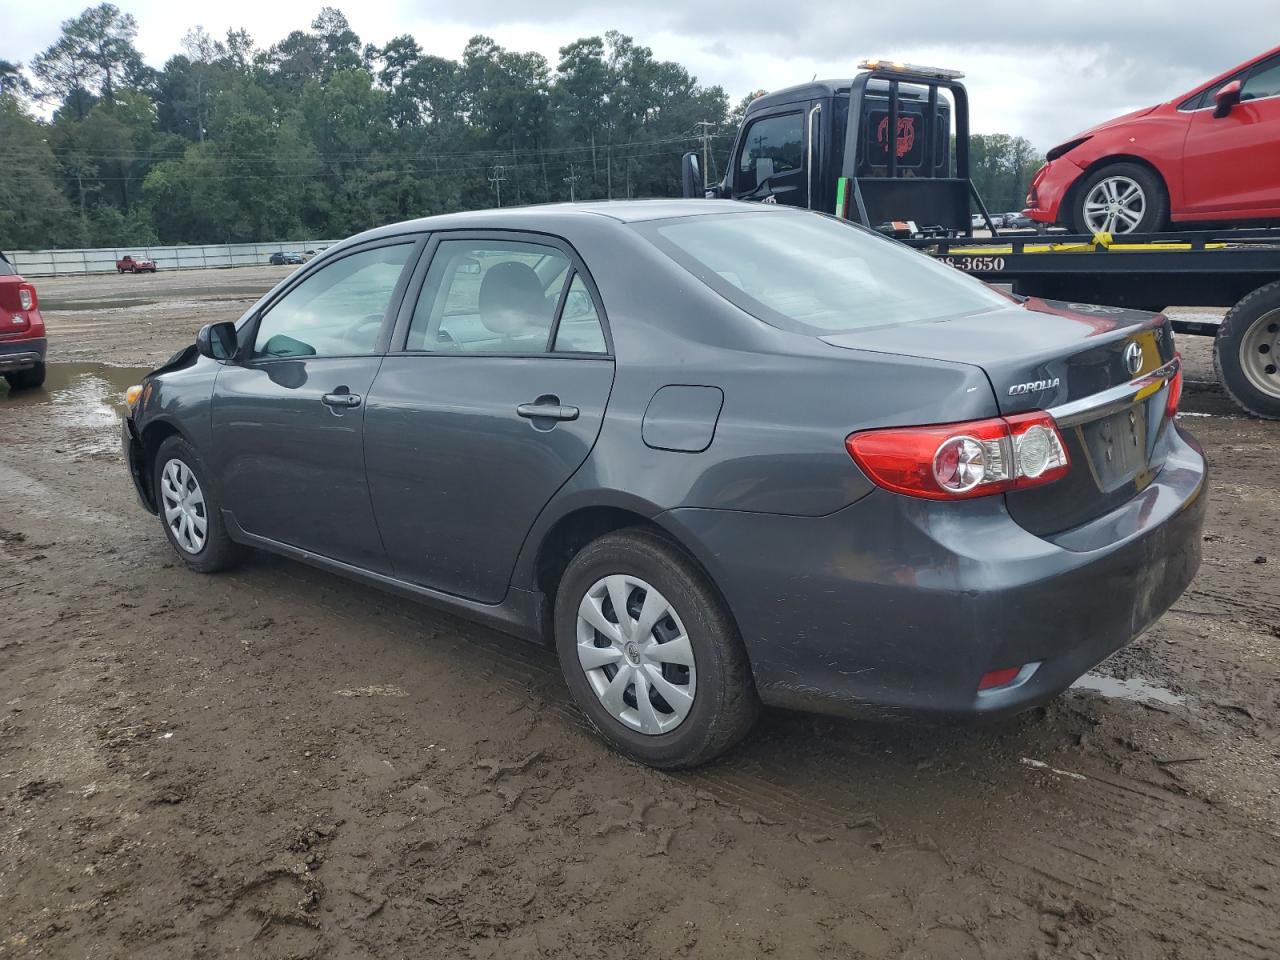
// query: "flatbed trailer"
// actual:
[[1231, 268]]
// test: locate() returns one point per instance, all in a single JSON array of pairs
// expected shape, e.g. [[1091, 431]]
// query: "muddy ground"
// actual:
[[278, 763]]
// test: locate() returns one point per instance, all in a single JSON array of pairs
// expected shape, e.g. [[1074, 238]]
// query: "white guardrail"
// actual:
[[56, 263]]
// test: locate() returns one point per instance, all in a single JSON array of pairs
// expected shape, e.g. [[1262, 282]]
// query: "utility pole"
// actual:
[[706, 126], [498, 175], [572, 180]]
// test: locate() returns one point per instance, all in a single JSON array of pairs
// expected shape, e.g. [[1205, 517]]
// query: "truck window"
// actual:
[[771, 160]]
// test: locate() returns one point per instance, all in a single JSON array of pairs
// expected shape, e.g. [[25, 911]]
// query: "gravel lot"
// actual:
[[279, 763]]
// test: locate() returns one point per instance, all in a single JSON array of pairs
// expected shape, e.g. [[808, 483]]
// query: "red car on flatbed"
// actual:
[[128, 264], [1208, 156], [22, 336]]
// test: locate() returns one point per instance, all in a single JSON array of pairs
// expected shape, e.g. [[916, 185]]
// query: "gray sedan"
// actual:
[[717, 454]]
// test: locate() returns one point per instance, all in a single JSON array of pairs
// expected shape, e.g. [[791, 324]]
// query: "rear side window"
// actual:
[[579, 330], [815, 274], [489, 296], [336, 311], [6, 268]]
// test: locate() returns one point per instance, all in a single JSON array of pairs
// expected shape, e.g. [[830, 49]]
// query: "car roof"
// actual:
[[543, 217]]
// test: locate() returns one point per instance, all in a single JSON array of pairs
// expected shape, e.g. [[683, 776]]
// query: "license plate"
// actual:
[[1117, 446]]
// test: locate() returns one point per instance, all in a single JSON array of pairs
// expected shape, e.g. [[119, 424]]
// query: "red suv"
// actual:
[[22, 339], [1208, 155]]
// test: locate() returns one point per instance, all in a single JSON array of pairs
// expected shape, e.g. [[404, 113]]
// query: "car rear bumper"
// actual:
[[1050, 187], [22, 354], [895, 605]]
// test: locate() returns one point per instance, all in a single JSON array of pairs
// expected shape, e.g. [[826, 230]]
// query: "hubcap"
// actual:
[[636, 654], [1260, 354], [184, 509], [1114, 205]]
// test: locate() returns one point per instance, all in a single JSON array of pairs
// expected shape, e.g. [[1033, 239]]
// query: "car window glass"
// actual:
[[816, 274], [772, 146], [579, 330], [1206, 99], [488, 296], [1264, 81], [337, 311], [6, 270]]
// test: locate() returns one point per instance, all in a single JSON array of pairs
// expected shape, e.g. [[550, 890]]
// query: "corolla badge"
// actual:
[[1133, 358], [1034, 386]]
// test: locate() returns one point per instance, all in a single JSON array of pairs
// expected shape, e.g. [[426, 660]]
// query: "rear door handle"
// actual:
[[341, 399], [544, 410]]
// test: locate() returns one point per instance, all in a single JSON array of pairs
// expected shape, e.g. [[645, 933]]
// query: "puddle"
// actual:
[[51, 304], [1135, 688], [84, 399]]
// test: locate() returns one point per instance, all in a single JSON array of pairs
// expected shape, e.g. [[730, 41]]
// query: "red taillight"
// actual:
[[998, 678], [1174, 397], [955, 461], [27, 296]]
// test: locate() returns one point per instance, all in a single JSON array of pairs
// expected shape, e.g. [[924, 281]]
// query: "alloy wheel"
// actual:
[[184, 507], [636, 655], [1114, 205], [1260, 354]]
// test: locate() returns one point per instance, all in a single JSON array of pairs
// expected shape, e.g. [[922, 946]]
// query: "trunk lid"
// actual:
[[1080, 362]]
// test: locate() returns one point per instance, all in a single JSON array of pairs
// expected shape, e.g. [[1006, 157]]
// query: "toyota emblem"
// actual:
[[1133, 357]]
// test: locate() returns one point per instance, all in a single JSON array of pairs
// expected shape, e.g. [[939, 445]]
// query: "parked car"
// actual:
[[280, 258], [717, 453], [1017, 221], [1207, 155], [131, 264], [22, 333]]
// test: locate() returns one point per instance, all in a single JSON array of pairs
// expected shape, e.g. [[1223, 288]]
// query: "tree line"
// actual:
[[323, 135]]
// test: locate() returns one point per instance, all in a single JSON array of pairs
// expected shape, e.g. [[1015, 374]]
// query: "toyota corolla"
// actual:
[[717, 454]]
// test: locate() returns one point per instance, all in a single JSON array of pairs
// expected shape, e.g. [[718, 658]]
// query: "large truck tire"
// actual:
[[1246, 353]]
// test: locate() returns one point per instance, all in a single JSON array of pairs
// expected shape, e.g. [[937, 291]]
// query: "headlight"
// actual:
[[132, 394]]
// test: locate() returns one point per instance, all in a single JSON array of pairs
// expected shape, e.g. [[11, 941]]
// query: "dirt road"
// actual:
[[278, 763]]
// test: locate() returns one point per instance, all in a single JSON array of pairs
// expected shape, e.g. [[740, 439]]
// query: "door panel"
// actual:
[[288, 417], [290, 466], [1229, 163], [457, 475]]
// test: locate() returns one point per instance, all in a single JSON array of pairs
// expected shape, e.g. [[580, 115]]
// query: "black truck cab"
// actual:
[[796, 147]]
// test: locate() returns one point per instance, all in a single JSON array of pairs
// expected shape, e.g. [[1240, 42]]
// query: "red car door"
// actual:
[[1231, 164]]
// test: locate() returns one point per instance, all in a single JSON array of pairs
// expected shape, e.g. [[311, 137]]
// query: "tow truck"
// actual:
[[903, 170]]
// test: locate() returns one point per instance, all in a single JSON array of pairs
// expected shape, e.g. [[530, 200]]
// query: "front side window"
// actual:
[[814, 274], [336, 311], [772, 147], [1264, 81], [489, 296]]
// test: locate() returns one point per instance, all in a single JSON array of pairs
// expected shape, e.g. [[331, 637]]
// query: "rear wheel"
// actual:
[[27, 379], [1246, 353], [650, 653], [1120, 198], [189, 511]]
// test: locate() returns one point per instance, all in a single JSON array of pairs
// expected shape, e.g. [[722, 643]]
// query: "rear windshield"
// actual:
[[815, 274]]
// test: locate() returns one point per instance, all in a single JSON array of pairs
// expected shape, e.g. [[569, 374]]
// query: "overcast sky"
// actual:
[[1042, 70]]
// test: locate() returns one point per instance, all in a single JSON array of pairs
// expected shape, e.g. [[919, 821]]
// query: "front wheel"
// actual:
[[650, 653], [1120, 198], [1246, 353], [189, 510]]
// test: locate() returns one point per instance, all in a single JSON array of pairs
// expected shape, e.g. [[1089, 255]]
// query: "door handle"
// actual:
[[341, 399], [545, 410]]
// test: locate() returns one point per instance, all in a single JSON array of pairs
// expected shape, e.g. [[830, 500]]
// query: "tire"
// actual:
[[216, 551], [1246, 352], [1154, 199], [724, 702], [27, 379]]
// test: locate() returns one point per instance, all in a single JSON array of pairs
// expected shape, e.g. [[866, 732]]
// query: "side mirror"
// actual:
[[217, 341], [691, 177], [1226, 98]]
